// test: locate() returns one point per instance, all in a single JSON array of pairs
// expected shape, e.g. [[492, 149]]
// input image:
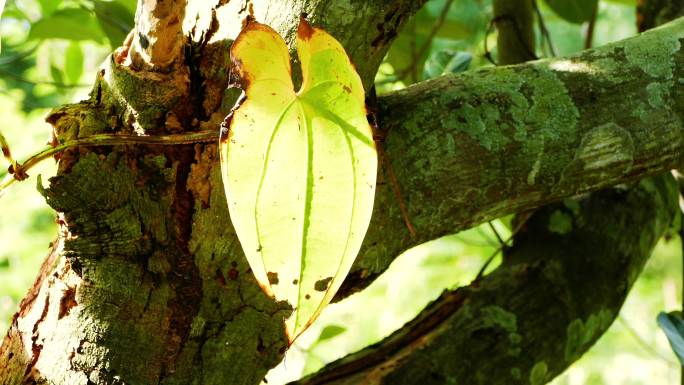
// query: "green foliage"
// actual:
[[69, 24], [446, 62], [73, 64], [574, 11], [299, 168], [74, 37], [115, 19], [673, 326], [437, 27]]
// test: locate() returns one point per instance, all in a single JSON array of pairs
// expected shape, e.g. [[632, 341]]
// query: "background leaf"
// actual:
[[73, 62], [445, 62], [70, 24], [331, 331], [115, 19], [574, 11], [47, 7], [673, 326]]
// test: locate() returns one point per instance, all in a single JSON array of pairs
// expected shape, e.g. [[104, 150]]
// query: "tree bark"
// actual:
[[147, 282], [477, 146], [558, 290], [481, 326]]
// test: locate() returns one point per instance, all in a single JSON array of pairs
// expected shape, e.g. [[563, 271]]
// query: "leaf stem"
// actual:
[[18, 170]]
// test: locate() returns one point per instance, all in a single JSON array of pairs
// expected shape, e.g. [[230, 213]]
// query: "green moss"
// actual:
[[499, 317], [580, 334], [538, 373], [653, 52], [658, 93], [560, 222], [553, 111]]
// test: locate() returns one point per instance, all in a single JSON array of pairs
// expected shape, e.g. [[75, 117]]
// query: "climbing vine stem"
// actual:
[[18, 171]]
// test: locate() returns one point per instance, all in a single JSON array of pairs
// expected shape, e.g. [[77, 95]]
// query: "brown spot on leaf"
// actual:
[[323, 284], [272, 278], [307, 296], [305, 30], [296, 281]]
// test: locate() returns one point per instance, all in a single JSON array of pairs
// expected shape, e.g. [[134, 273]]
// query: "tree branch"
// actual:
[[477, 146], [534, 315]]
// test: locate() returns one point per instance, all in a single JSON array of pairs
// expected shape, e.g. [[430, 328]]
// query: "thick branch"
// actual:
[[534, 315], [514, 21], [158, 38], [470, 148]]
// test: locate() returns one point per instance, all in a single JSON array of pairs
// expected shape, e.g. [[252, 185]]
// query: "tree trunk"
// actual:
[[147, 283]]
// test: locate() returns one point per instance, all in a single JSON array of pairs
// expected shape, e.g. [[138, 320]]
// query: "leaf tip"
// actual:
[[305, 30]]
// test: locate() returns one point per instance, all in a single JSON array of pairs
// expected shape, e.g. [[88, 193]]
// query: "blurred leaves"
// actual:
[[331, 331], [673, 326], [446, 61], [437, 26], [115, 19], [70, 24], [73, 64], [49, 45], [574, 11]]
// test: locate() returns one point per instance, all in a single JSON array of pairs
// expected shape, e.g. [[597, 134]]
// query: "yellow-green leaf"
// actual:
[[298, 167]]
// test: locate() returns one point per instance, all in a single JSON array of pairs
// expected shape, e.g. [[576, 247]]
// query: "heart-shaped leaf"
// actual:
[[298, 167]]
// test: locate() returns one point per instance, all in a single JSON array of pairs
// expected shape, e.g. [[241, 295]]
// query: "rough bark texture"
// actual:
[[147, 283], [473, 147], [559, 288], [496, 329]]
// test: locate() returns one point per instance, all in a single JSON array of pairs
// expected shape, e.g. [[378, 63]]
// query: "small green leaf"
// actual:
[[115, 19], [68, 23], [574, 11], [47, 7], [298, 167], [56, 74], [2, 8], [673, 326], [445, 62], [331, 331], [73, 62]]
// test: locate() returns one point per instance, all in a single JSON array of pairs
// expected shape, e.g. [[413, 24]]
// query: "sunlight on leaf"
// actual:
[[298, 167]]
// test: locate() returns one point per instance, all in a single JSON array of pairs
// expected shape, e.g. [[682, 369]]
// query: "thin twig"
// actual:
[[542, 27], [496, 233], [589, 38], [21, 79], [523, 217], [397, 192], [642, 343], [412, 68]]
